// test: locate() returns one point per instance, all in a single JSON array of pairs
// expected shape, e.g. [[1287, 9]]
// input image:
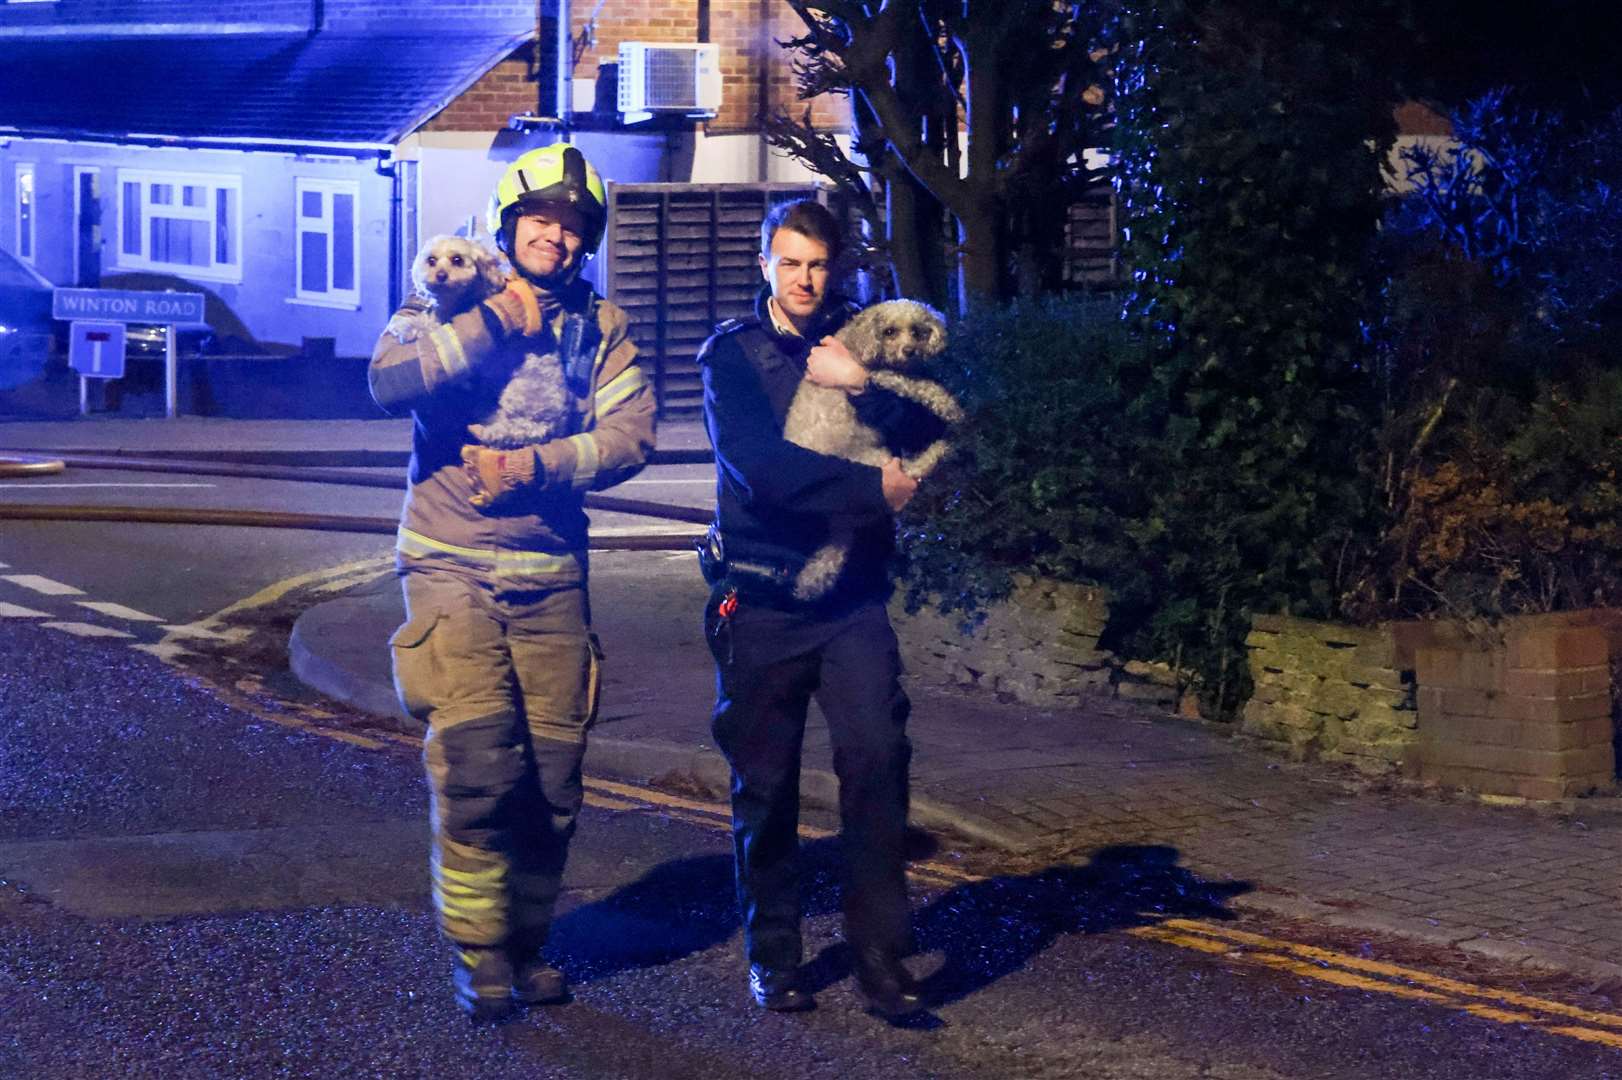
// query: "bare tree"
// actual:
[[982, 108]]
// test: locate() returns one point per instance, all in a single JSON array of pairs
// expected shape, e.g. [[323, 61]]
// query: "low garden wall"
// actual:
[[1525, 708], [1332, 693], [1040, 647], [1530, 708]]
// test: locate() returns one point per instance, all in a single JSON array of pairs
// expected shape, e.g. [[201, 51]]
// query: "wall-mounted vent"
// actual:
[[661, 78]]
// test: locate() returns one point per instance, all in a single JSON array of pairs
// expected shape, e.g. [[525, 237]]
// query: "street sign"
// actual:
[[96, 349], [127, 306]]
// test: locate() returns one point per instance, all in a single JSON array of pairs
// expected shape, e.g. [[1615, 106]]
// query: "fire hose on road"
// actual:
[[39, 465]]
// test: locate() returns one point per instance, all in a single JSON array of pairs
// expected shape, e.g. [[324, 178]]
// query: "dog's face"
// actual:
[[455, 272], [898, 334]]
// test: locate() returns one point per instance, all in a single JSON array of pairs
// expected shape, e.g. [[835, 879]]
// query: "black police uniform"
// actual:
[[775, 503]]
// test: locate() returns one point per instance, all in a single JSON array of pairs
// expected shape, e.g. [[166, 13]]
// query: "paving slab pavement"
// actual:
[[1539, 884]]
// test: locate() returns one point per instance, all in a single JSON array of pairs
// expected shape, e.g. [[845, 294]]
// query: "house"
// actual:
[[286, 157]]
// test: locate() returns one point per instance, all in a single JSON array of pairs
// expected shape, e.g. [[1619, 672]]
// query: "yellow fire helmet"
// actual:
[[552, 174]]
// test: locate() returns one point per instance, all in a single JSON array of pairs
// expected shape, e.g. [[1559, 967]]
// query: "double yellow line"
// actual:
[[1360, 973], [1216, 939]]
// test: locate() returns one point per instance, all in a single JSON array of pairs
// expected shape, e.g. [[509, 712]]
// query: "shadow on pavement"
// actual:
[[985, 930], [675, 910], [993, 928]]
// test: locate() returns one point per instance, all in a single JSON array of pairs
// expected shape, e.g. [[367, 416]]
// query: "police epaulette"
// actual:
[[731, 325]]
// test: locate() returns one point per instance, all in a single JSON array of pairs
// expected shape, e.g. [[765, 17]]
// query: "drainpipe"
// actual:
[[763, 93], [388, 165], [318, 16]]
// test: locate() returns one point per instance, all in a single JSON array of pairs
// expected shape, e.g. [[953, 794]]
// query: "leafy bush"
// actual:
[[1049, 471], [1518, 511], [1249, 146], [1498, 442]]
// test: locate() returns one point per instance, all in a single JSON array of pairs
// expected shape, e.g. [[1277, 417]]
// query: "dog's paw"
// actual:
[[406, 326]]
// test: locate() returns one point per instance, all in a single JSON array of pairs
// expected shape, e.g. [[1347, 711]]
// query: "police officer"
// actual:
[[775, 504], [520, 406]]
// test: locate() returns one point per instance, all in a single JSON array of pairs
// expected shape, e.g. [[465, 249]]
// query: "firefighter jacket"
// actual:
[[572, 395], [776, 499]]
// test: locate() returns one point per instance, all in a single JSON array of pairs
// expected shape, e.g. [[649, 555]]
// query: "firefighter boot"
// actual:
[[534, 981], [483, 980]]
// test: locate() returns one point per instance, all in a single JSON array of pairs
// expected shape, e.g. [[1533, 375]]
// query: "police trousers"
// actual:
[[506, 675], [769, 665]]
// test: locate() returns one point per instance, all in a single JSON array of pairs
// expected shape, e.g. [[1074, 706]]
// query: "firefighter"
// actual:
[[775, 504], [521, 405]]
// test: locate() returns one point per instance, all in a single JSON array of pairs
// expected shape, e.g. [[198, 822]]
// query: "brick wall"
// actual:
[[1329, 692], [745, 31], [506, 89], [1527, 711]]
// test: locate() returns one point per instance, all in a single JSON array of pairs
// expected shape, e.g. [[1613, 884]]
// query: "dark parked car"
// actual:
[[26, 327]]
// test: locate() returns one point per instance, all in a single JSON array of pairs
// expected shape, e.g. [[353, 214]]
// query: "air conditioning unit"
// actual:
[[661, 78]]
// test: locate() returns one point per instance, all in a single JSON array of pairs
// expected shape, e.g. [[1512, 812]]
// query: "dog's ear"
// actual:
[[492, 271]]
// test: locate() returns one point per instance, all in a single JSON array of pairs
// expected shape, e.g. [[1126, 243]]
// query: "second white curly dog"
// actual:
[[890, 339]]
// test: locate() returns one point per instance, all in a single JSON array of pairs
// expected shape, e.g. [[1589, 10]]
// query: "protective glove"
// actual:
[[496, 474], [516, 307]]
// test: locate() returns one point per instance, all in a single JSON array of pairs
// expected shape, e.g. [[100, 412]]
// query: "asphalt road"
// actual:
[[189, 891], [191, 886], [189, 572]]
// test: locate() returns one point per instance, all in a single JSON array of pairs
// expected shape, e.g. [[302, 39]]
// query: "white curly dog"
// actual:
[[890, 339], [453, 273]]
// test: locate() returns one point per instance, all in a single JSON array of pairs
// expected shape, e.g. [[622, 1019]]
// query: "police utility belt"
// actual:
[[755, 569]]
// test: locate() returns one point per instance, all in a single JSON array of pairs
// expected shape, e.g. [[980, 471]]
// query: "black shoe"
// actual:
[[483, 980], [778, 991], [887, 987]]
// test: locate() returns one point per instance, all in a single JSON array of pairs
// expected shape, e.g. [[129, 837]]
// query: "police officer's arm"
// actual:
[[766, 468], [618, 443], [416, 356]]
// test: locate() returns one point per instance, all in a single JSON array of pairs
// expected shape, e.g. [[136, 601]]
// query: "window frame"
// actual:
[[31, 234], [327, 187], [230, 273]]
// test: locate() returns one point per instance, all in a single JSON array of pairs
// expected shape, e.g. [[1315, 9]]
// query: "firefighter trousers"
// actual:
[[769, 665], [506, 675]]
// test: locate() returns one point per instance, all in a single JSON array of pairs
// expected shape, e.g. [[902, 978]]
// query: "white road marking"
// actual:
[[648, 530], [42, 585], [201, 630], [167, 651], [82, 629], [13, 611], [38, 486], [117, 611]]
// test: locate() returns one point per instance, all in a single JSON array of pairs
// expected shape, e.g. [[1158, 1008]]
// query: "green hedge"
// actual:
[[1048, 476]]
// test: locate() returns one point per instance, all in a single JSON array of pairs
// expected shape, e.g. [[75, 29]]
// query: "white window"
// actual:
[[188, 223], [328, 244], [25, 213]]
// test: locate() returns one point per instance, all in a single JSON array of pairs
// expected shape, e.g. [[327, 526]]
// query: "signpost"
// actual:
[[96, 343]]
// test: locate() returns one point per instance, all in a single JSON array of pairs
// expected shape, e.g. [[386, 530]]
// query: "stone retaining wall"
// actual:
[[1332, 693], [1040, 647]]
